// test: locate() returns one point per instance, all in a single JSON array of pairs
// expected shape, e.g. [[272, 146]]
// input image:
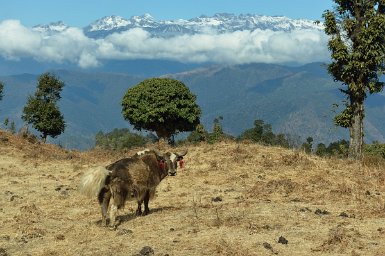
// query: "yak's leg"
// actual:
[[113, 211], [139, 200], [139, 209], [104, 206], [104, 200], [146, 199]]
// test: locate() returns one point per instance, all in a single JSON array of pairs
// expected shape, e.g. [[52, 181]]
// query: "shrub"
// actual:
[[120, 139]]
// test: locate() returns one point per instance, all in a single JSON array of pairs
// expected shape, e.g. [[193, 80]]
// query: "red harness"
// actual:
[[162, 165]]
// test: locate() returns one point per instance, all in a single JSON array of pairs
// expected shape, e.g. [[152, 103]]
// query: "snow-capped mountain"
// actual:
[[219, 23], [51, 28]]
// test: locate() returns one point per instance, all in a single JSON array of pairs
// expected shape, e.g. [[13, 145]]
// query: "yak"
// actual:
[[129, 178]]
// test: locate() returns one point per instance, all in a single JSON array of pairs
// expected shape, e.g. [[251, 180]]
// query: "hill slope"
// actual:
[[230, 199], [295, 100]]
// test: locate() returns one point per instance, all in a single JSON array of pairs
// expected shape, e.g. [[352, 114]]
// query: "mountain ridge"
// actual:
[[219, 23], [294, 100]]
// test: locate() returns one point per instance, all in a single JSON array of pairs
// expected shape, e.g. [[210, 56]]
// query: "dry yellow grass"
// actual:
[[230, 199]]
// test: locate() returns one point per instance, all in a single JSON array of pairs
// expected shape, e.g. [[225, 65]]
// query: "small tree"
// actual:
[[41, 110], [308, 145], [198, 135], [1, 90], [357, 44], [161, 105], [321, 149]]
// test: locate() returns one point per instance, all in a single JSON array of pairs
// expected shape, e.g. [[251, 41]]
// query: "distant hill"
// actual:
[[137, 67], [295, 100]]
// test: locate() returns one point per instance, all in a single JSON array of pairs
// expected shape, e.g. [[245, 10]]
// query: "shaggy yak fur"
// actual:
[[135, 177]]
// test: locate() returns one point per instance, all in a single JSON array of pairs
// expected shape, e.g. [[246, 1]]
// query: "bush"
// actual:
[[375, 149], [198, 135], [262, 133], [338, 148], [120, 139]]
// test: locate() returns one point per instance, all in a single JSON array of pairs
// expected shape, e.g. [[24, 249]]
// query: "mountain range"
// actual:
[[295, 100], [219, 23], [298, 100]]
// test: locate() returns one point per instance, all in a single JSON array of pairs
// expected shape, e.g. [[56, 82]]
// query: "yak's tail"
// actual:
[[93, 181]]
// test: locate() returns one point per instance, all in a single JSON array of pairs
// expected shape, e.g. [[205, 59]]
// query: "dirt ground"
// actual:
[[229, 199]]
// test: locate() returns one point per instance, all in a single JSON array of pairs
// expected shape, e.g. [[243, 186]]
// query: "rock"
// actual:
[[60, 237], [321, 212], [147, 250], [3, 140], [216, 199], [3, 252], [305, 209], [5, 238], [267, 246], [282, 240], [124, 231]]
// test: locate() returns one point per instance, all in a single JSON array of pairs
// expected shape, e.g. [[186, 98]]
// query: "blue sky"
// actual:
[[80, 13]]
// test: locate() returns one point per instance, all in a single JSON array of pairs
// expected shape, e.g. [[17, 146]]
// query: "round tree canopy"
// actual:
[[162, 105]]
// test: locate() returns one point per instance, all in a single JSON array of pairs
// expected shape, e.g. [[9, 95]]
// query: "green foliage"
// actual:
[[321, 150], [262, 133], [357, 43], [217, 134], [344, 119], [162, 105], [41, 110], [338, 149], [375, 149], [198, 135], [119, 139], [308, 145]]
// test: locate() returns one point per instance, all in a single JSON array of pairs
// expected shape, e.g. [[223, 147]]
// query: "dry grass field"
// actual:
[[229, 199]]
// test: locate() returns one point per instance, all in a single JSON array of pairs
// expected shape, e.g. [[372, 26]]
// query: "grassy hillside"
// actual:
[[230, 199]]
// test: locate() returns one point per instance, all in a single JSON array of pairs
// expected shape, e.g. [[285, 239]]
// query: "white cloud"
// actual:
[[17, 41], [71, 45]]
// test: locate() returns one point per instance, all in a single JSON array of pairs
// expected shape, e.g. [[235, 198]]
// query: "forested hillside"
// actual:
[[295, 100]]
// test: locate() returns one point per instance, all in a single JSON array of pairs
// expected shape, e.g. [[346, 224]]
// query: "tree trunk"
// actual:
[[163, 135], [356, 131]]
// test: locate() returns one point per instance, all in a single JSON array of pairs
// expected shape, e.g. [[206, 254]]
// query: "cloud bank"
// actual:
[[240, 47]]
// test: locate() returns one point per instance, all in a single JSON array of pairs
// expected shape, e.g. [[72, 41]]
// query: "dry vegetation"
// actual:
[[230, 199]]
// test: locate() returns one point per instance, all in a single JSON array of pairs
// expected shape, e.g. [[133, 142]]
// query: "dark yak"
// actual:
[[130, 178]]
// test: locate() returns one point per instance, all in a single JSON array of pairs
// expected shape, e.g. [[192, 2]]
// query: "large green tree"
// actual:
[[161, 105], [41, 109], [357, 45]]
